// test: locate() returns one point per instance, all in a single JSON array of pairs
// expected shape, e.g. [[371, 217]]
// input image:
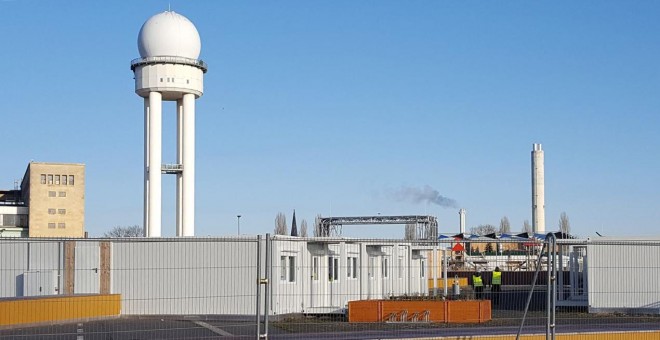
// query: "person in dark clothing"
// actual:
[[478, 285], [496, 285]]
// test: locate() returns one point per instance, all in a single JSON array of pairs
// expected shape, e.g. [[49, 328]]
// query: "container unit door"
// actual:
[[386, 277], [374, 283], [87, 268], [315, 292], [333, 281]]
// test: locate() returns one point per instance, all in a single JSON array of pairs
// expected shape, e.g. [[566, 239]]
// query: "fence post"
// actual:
[[267, 284], [548, 287], [258, 312], [552, 286]]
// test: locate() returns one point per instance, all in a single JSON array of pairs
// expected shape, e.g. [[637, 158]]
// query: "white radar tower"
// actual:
[[169, 69]]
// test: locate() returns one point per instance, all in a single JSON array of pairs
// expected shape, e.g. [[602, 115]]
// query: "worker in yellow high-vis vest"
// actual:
[[478, 285], [496, 285]]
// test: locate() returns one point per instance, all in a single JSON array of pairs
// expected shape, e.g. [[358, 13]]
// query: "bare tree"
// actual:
[[280, 224], [303, 228], [410, 233], [564, 224], [483, 229], [130, 231], [527, 228], [505, 226]]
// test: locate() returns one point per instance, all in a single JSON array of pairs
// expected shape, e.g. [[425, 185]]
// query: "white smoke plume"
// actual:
[[425, 194]]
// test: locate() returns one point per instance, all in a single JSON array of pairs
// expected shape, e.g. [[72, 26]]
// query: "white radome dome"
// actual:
[[169, 34]]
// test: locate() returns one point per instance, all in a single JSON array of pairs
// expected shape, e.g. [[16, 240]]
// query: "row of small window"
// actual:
[[52, 211], [55, 194], [288, 268], [51, 179], [60, 225], [168, 80]]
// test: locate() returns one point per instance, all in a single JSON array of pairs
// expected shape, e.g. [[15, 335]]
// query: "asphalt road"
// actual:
[[209, 328]]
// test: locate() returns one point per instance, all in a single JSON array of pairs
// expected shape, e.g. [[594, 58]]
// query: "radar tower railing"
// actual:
[[169, 60]]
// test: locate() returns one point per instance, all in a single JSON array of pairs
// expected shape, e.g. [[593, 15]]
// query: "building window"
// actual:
[[386, 267], [22, 220], [51, 225], [62, 193], [351, 267], [161, 80], [11, 220], [61, 225], [52, 194], [63, 179], [50, 179], [333, 268], [61, 211], [288, 268], [8, 220], [57, 179], [51, 211], [70, 179], [315, 268], [43, 179]]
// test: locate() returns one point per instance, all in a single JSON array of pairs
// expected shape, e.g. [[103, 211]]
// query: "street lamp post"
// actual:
[[238, 219]]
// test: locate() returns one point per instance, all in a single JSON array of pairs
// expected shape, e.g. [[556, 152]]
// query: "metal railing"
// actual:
[[169, 60]]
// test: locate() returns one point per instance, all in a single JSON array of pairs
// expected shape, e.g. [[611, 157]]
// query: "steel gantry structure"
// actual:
[[426, 227]]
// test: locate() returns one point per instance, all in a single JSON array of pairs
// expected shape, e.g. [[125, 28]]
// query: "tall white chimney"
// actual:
[[461, 214], [538, 190]]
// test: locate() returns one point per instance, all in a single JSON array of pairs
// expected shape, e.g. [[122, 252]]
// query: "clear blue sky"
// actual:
[[330, 107]]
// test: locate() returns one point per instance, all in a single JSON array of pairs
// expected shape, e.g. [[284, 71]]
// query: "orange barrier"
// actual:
[[457, 311], [46, 309]]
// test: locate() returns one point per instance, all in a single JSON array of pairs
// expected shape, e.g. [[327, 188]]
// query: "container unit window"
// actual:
[[351, 267], [422, 274], [333, 268], [292, 269], [288, 268], [372, 267], [400, 267], [315, 268], [386, 263]]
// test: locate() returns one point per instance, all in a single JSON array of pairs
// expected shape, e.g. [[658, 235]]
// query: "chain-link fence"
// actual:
[[306, 288]]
